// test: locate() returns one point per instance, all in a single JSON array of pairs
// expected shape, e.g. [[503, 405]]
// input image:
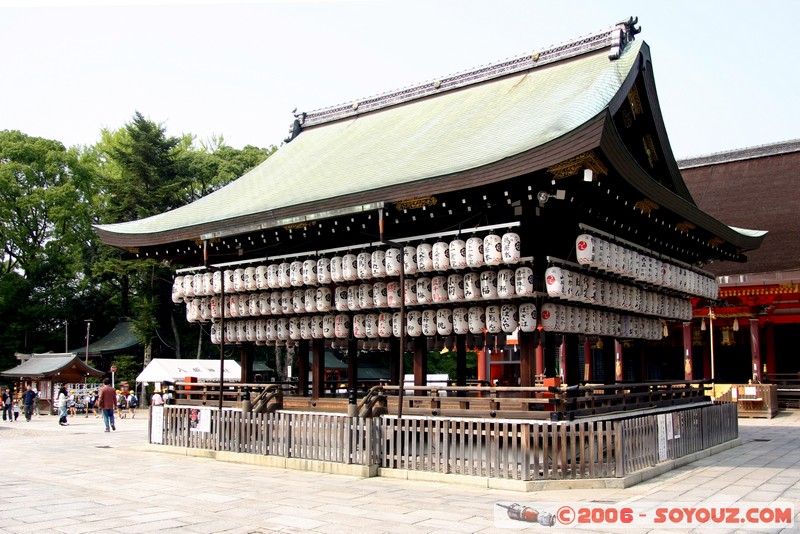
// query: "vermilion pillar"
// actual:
[[755, 351]]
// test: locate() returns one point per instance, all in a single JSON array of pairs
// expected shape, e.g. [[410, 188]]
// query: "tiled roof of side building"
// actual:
[[759, 151]]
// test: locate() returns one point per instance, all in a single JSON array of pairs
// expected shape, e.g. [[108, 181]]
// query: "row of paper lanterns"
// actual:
[[572, 319], [581, 287], [617, 259], [474, 253], [440, 289], [494, 319]]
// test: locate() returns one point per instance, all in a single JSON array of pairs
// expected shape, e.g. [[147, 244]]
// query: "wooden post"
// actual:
[[302, 368], [526, 355], [420, 362], [587, 359], [619, 374], [755, 351], [246, 354], [688, 373], [318, 369], [394, 361], [352, 364], [461, 363], [562, 359]]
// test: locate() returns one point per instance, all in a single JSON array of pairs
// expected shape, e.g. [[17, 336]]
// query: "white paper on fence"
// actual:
[[157, 425]]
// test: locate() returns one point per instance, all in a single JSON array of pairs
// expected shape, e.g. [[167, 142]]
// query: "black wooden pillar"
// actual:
[[246, 352], [318, 369], [302, 368], [352, 364]]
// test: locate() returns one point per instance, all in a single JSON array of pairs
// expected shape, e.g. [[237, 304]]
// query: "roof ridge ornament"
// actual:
[[622, 34], [616, 38]]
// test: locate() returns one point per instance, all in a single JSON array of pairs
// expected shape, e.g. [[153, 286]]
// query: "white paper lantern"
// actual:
[[250, 279], [298, 301], [263, 303], [317, 327], [425, 257], [441, 256], [378, 264], [342, 326], [380, 294], [283, 329], [488, 285], [410, 291], [274, 276], [554, 281], [493, 319], [261, 277], [310, 300], [527, 317], [208, 284], [352, 298], [310, 272], [474, 252], [509, 318], [285, 274], [253, 309], [337, 270], [472, 286], [324, 271], [548, 316], [275, 307], [429, 322], [439, 289], [460, 321], [216, 335], [250, 331], [261, 330], [414, 323], [340, 298], [458, 254], [215, 305], [444, 321], [287, 306], [392, 261], [217, 282], [476, 318], [359, 326], [233, 305], [199, 289], [393, 294], [396, 324], [371, 325], [511, 247], [328, 326], [177, 290], [364, 265], [492, 250], [455, 288], [505, 284], [410, 260], [385, 324], [188, 286], [350, 267], [424, 290], [323, 299], [523, 281], [365, 297], [230, 332], [585, 250], [193, 310], [272, 330]]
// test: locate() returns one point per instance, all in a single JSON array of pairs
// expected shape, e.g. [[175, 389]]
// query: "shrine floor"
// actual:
[[78, 479]]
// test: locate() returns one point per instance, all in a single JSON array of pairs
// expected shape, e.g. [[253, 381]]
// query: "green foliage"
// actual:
[[128, 368]]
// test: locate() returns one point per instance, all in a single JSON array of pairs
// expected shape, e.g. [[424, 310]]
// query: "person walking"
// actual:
[[107, 401], [157, 400], [61, 402], [133, 402], [8, 405], [27, 402], [122, 404]]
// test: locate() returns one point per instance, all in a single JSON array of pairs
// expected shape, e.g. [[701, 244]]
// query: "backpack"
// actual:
[[133, 402]]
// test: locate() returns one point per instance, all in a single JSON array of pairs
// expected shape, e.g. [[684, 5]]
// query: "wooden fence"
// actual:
[[611, 446]]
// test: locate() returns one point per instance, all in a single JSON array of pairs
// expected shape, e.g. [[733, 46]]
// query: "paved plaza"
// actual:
[[78, 479]]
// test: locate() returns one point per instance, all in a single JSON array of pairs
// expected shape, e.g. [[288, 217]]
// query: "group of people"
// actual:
[[11, 406], [106, 398]]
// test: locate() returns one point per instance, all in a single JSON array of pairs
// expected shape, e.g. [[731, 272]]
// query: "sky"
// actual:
[[726, 71]]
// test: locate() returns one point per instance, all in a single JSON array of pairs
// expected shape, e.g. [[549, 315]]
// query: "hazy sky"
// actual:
[[726, 71]]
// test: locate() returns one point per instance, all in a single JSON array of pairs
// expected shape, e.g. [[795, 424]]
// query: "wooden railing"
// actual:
[[754, 400], [788, 388], [612, 446]]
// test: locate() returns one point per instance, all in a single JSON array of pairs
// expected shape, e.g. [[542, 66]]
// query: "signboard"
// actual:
[[157, 425]]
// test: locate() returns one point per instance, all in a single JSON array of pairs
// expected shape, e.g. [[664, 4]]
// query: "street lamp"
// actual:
[[88, 328], [711, 317]]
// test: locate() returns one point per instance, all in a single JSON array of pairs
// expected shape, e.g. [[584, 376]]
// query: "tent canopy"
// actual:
[[171, 370]]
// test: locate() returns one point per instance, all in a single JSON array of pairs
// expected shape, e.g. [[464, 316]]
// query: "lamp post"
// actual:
[[88, 328], [711, 318]]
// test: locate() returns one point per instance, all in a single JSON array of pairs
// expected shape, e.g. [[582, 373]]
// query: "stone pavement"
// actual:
[[79, 479]]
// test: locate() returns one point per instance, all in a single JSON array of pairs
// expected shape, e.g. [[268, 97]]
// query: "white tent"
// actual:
[[171, 370]]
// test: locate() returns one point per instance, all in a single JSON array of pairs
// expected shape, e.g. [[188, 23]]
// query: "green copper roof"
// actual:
[[421, 139]]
